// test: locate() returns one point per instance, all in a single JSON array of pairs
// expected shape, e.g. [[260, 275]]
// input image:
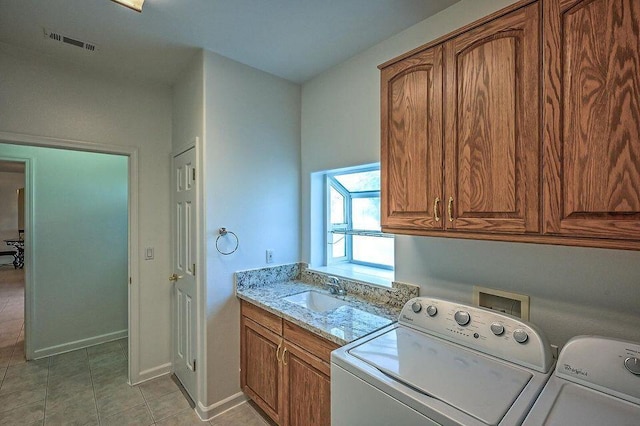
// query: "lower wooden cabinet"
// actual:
[[285, 369]]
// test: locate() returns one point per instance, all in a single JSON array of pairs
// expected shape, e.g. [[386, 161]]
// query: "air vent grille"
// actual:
[[71, 41]]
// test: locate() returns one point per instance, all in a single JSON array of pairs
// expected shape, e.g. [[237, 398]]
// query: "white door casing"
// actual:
[[184, 269]]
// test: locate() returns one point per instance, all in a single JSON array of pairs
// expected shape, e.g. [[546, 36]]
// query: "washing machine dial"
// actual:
[[633, 365], [497, 328], [432, 310], [462, 317], [416, 307], [520, 336]]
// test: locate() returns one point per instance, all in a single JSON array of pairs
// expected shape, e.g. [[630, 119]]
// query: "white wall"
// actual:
[[79, 233], [573, 290], [188, 104], [9, 185], [60, 101], [252, 155]]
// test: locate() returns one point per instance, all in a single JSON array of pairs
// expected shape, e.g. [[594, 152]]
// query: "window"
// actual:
[[353, 226]]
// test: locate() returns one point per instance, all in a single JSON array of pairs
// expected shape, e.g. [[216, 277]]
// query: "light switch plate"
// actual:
[[148, 253]]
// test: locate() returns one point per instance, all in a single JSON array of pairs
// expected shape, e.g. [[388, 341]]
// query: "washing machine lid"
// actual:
[[569, 404], [466, 380]]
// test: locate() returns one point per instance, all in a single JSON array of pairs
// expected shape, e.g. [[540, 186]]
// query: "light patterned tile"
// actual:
[[18, 383], [25, 415], [186, 417], [60, 400], [167, 405], [119, 400], [72, 414], [138, 415], [106, 360], [104, 348], [12, 400], [29, 368], [158, 387], [243, 414], [67, 357]]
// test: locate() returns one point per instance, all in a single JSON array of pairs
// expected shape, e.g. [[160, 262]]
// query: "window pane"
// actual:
[[362, 181], [338, 246], [365, 213], [337, 207], [373, 250]]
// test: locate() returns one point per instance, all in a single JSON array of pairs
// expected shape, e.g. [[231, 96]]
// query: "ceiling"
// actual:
[[293, 39]]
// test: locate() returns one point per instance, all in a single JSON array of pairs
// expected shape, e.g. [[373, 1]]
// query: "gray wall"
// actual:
[[79, 239], [573, 290], [45, 98], [252, 187]]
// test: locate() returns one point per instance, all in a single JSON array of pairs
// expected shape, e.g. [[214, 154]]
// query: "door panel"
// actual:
[[592, 130], [260, 367], [184, 198], [411, 161], [492, 119], [308, 389]]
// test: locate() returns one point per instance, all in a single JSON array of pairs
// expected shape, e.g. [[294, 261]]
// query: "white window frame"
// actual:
[[332, 182]]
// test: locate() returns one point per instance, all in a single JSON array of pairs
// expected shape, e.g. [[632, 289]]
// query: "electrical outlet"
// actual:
[[269, 256]]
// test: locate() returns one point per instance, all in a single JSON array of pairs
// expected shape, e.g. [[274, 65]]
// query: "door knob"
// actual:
[[174, 277]]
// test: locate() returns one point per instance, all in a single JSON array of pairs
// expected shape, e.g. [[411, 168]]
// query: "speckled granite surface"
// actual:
[[367, 309]]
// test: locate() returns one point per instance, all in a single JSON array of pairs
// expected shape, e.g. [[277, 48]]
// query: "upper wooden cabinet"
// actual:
[[411, 161], [592, 118], [485, 122], [492, 125]]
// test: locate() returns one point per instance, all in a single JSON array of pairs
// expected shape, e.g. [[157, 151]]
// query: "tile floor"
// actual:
[[87, 386]]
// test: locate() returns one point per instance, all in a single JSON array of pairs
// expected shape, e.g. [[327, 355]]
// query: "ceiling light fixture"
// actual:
[[131, 4]]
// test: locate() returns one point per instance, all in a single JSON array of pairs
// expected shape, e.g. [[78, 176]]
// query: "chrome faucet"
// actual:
[[335, 287]]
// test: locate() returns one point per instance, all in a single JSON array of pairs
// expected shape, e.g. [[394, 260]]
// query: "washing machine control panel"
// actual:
[[491, 332], [605, 364]]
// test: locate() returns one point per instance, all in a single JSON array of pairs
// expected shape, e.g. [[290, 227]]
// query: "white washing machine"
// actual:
[[443, 363], [596, 382]]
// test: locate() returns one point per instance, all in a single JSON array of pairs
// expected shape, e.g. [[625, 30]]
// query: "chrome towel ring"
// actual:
[[223, 232]]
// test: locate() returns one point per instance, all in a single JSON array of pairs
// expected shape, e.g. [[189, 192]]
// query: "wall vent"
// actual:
[[61, 38]]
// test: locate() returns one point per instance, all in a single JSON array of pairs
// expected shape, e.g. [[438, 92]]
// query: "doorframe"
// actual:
[[133, 263], [200, 278]]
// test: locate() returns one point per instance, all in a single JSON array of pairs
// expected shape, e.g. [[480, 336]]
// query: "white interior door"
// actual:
[[184, 269]]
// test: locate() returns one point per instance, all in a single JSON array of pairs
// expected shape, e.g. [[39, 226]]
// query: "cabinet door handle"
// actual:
[[284, 352], [450, 209], [278, 351], [435, 209]]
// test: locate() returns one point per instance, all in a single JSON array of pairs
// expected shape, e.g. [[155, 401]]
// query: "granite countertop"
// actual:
[[341, 325], [368, 307]]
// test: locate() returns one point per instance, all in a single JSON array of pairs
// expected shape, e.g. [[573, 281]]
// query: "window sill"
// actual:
[[367, 274]]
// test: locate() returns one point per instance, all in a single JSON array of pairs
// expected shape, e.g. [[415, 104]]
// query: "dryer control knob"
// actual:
[[416, 307], [520, 336], [432, 310], [462, 317], [497, 328], [633, 365]]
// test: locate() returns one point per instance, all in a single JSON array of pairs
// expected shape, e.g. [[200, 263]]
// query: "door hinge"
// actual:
[[129, 280], [194, 365], [193, 173], [193, 268]]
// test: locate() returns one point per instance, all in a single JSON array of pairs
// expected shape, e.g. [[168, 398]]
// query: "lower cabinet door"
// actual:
[[307, 389], [261, 374]]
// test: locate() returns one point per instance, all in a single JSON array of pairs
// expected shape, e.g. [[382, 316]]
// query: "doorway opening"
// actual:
[[100, 197]]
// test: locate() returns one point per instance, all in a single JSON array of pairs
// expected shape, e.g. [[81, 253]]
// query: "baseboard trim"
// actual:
[[79, 344], [151, 373], [206, 413]]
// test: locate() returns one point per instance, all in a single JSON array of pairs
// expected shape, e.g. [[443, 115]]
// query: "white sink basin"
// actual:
[[315, 301]]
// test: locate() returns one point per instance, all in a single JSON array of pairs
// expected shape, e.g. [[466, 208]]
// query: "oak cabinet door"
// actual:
[[261, 373], [411, 143], [592, 118], [492, 123], [307, 389]]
